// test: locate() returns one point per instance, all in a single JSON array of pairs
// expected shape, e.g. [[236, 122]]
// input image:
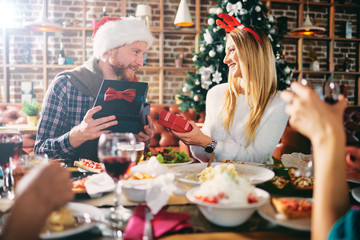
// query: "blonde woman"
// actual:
[[245, 118]]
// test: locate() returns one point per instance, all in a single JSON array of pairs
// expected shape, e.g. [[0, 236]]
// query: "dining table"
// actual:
[[256, 227]]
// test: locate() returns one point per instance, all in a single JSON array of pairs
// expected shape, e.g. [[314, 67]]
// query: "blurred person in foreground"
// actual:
[[245, 118], [322, 123], [67, 128], [43, 191]]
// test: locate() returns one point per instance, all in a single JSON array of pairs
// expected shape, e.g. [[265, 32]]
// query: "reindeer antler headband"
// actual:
[[233, 23]]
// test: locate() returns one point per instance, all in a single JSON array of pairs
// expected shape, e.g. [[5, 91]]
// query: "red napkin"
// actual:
[[162, 223]]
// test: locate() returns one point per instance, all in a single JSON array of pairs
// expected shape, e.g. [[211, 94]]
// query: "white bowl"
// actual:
[[135, 190], [228, 216], [134, 193]]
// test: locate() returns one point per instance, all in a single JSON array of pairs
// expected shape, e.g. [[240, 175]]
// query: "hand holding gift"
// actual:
[[174, 122]]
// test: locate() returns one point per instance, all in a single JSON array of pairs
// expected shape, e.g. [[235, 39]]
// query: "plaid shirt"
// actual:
[[63, 108]]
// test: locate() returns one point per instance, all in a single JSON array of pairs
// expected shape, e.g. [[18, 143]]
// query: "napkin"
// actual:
[[296, 160], [99, 183], [163, 222], [159, 189]]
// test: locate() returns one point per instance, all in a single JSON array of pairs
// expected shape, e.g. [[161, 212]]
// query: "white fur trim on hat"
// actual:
[[115, 34]]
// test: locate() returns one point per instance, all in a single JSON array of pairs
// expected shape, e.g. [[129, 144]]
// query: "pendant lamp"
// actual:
[[307, 28], [43, 24], [183, 18]]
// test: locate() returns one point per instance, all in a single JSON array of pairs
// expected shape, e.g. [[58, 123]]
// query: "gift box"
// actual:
[[125, 100], [174, 122]]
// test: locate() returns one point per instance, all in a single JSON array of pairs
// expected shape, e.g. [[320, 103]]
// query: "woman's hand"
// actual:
[[194, 137]]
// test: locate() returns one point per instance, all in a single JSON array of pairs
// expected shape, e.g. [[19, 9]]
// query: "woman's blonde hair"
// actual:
[[257, 63]]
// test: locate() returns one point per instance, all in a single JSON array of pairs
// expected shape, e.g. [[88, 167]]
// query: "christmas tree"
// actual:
[[209, 60]]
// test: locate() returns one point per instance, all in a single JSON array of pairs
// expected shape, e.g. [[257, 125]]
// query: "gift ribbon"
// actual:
[[167, 116], [112, 94]]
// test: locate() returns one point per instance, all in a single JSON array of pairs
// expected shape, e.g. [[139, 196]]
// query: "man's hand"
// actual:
[[148, 133], [90, 128]]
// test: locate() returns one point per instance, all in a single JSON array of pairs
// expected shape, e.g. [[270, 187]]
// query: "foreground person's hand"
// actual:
[[309, 114], [50, 189]]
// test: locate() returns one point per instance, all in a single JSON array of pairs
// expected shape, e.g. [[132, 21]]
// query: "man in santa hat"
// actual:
[[67, 128]]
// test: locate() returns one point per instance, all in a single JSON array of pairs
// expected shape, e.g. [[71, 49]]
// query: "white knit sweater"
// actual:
[[233, 146]]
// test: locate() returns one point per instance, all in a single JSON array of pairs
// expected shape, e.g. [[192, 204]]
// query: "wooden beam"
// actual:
[[161, 54], [6, 86]]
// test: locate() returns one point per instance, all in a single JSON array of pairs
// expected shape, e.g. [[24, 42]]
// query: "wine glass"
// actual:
[[21, 165], [10, 147], [117, 153], [331, 91]]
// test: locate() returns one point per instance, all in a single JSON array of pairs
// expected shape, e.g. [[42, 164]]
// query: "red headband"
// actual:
[[233, 23]]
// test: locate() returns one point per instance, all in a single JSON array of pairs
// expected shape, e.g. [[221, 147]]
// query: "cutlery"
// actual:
[[211, 158], [86, 218]]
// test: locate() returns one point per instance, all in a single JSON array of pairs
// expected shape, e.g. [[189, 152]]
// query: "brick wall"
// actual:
[[319, 15], [28, 10]]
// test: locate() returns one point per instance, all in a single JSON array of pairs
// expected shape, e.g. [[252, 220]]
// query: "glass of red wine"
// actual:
[[117, 154], [331, 91], [10, 147]]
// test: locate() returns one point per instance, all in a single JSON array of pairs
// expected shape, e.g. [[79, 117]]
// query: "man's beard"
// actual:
[[123, 75]]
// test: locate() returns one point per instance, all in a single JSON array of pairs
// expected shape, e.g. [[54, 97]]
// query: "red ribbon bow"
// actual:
[[112, 94]]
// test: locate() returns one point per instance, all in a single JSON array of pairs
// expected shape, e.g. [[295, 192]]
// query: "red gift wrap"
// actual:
[[174, 122]]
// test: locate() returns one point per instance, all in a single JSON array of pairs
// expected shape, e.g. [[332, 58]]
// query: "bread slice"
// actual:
[[88, 165], [292, 208], [78, 186]]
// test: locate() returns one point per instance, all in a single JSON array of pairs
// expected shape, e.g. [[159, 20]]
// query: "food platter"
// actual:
[[256, 175], [268, 212], [79, 209]]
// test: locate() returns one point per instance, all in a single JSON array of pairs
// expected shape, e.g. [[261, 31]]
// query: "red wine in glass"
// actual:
[[331, 92], [117, 152], [116, 166], [10, 146]]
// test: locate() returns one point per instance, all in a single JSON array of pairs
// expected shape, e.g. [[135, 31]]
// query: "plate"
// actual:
[[355, 192], [178, 164], [253, 174], [170, 164], [353, 176], [268, 212], [78, 209]]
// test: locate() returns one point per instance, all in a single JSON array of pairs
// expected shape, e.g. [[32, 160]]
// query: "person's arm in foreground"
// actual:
[[323, 125], [49, 190]]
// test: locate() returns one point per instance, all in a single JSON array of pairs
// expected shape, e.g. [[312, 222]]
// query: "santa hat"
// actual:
[[112, 32]]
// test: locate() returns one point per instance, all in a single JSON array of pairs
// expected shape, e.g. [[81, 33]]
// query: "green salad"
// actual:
[[170, 155]]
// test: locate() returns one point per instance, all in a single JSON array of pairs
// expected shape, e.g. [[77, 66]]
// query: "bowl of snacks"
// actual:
[[135, 185], [227, 199]]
